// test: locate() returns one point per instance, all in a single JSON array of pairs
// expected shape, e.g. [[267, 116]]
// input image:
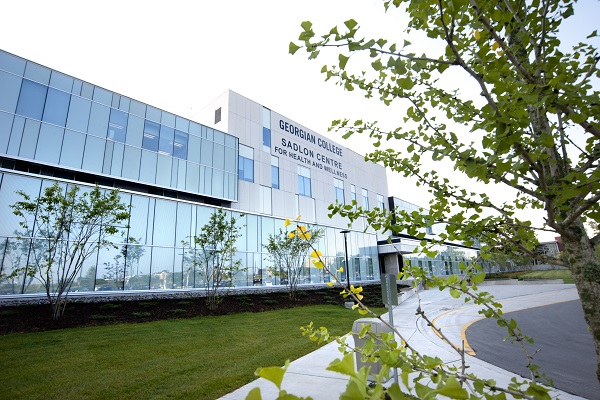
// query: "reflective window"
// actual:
[[76, 90], [6, 121], [37, 72], [246, 169], [230, 160], [87, 90], [72, 149], [193, 153], [208, 177], [165, 143], [131, 163], [163, 170], [30, 138], [61, 81], [11, 85], [32, 99], [219, 156], [181, 172], [338, 188], [380, 202], [148, 167], [217, 183], [16, 134], [206, 152], [57, 107], [49, 143], [10, 185], [117, 125], [365, 199], [180, 145], [274, 172], [93, 156], [124, 103], [151, 134], [304, 186], [167, 119], [165, 215], [182, 124], [266, 138], [79, 113], [117, 159], [99, 117], [102, 96], [153, 114], [135, 131], [137, 108], [353, 192], [11, 63], [192, 177]]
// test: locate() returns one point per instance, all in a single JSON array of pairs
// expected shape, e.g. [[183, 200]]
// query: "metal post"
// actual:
[[389, 279], [345, 232]]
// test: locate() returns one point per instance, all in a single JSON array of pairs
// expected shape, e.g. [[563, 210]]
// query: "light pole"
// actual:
[[346, 232]]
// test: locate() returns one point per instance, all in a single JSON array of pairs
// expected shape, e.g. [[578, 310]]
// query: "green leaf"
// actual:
[[273, 374], [293, 48], [343, 60], [254, 394], [478, 278], [453, 389], [350, 24], [344, 366], [593, 34], [455, 293]]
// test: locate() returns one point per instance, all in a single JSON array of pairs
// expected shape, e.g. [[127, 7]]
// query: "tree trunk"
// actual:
[[586, 272]]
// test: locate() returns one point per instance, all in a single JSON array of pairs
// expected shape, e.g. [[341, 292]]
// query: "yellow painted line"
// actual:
[[463, 332]]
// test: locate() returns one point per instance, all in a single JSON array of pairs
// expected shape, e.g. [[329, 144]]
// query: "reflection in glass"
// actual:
[[180, 145], [11, 85], [117, 126], [49, 143], [151, 133], [57, 107], [32, 99]]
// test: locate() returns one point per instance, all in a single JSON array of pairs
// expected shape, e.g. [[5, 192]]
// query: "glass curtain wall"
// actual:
[[160, 254]]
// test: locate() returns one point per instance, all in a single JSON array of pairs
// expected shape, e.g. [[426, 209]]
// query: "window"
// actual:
[[57, 107], [274, 172], [246, 164], [380, 203], [365, 199], [218, 115], [117, 125], [151, 133], [352, 192], [338, 190], [304, 182], [180, 145], [266, 123], [165, 143], [31, 100]]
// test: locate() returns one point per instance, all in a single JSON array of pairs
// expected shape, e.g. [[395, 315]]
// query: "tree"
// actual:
[[289, 253], [531, 126], [65, 229], [214, 254]]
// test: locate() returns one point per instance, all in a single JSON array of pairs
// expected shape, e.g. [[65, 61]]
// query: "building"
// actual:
[[174, 172]]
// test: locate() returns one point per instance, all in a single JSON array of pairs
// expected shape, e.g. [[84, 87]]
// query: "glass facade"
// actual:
[[274, 172], [304, 188], [157, 259], [338, 190], [52, 118]]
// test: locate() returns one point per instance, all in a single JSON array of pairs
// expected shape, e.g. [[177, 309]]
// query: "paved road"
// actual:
[[566, 346]]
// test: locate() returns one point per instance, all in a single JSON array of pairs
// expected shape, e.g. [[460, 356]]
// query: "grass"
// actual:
[[199, 358], [563, 274]]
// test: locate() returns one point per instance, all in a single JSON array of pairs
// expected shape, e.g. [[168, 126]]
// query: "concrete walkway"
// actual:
[[308, 376]]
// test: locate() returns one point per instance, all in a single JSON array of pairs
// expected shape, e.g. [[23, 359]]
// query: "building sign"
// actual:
[[309, 149]]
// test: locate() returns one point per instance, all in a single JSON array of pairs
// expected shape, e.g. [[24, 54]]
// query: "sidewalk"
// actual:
[[308, 376]]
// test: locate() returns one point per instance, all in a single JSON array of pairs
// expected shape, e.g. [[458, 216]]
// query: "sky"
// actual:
[[181, 55]]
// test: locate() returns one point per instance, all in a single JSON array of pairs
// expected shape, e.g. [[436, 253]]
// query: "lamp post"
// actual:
[[345, 232]]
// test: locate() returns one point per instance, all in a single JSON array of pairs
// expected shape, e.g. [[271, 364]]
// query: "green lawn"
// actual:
[[199, 358], [549, 274]]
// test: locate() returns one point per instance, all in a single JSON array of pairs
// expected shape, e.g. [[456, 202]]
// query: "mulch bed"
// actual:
[[35, 318]]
